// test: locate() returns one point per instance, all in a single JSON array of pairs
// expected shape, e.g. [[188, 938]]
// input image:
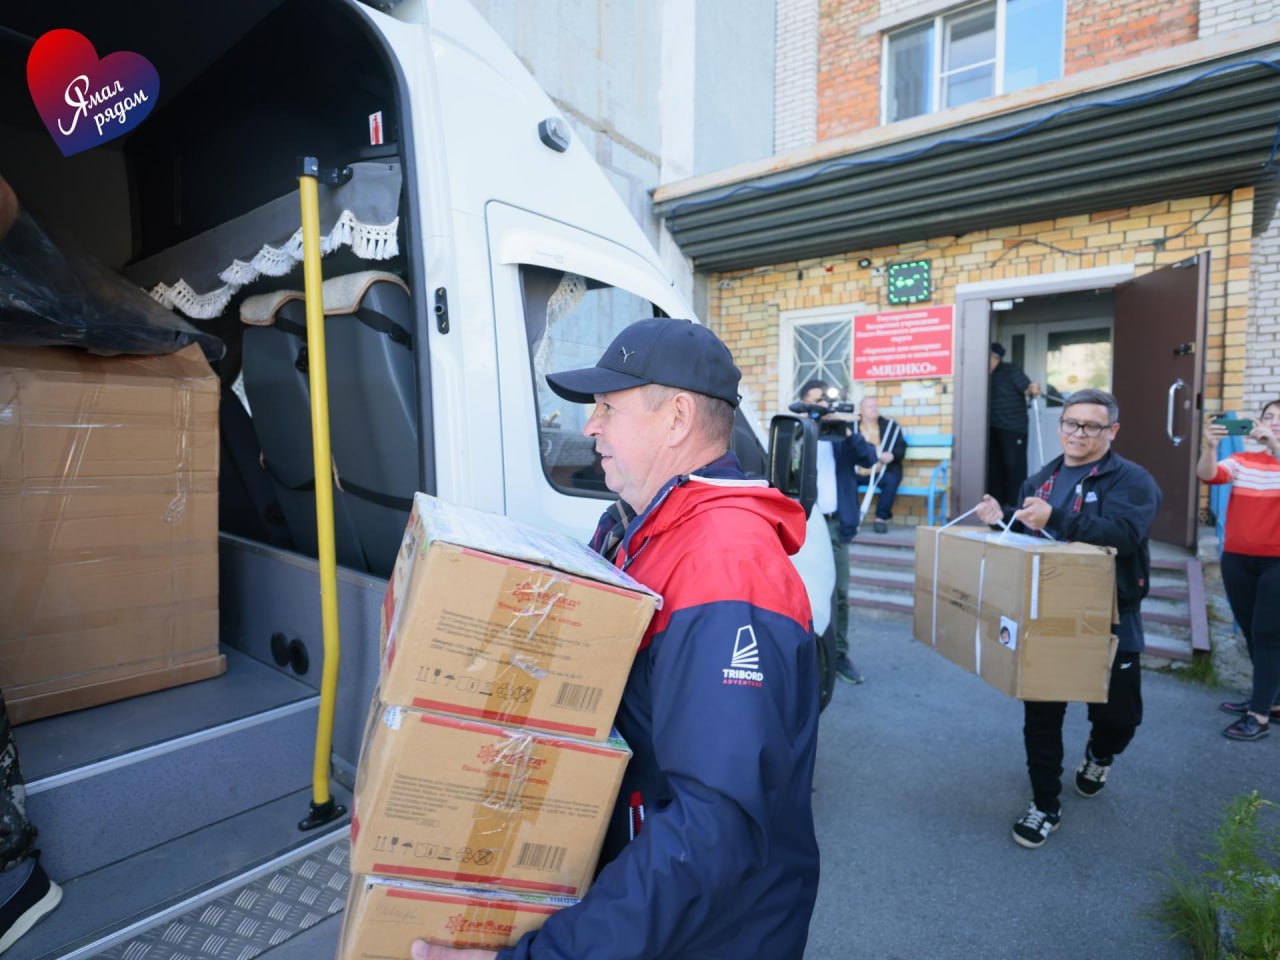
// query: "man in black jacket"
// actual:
[[1089, 495], [1007, 427]]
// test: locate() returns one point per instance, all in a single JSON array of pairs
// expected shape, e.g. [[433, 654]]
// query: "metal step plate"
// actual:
[[251, 919]]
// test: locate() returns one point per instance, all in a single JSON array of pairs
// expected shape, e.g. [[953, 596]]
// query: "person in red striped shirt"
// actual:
[[1251, 560]]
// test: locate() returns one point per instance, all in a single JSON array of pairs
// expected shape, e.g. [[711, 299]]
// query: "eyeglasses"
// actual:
[[1069, 427]]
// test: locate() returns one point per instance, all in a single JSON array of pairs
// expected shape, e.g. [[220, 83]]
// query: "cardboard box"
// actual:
[[489, 618], [108, 526], [384, 916], [448, 800], [1030, 616]]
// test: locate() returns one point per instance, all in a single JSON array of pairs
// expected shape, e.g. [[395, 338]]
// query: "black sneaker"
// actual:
[[846, 671], [1241, 707], [1091, 776], [880, 526], [37, 896], [1035, 826], [1247, 728]]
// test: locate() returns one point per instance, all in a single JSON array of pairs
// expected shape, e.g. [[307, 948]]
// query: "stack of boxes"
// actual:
[[489, 766]]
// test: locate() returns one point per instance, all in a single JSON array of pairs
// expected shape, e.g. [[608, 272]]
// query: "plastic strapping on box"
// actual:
[[1035, 586], [933, 630], [977, 617]]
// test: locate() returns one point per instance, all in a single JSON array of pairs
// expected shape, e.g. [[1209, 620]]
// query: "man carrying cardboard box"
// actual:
[[711, 852], [1088, 495]]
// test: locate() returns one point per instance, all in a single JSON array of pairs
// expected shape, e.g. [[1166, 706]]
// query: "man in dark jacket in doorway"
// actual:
[[711, 850], [1090, 494], [1007, 427]]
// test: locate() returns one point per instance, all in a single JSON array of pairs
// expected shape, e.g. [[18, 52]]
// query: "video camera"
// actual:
[[827, 429]]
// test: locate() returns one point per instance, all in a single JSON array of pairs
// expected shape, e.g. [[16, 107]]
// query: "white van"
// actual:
[[478, 245]]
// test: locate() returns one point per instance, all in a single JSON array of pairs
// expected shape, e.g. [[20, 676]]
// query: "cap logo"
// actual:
[[626, 354]]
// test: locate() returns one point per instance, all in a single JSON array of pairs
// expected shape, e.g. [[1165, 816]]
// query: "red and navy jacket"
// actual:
[[711, 852]]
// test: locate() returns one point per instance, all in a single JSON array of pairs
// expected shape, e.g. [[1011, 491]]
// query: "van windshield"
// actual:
[[570, 319]]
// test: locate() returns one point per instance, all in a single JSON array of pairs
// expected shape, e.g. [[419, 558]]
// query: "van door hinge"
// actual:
[[442, 310]]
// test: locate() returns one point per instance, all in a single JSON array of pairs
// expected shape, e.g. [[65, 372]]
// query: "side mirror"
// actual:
[[793, 458]]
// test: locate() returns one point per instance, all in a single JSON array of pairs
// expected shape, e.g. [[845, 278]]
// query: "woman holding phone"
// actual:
[[1251, 559]]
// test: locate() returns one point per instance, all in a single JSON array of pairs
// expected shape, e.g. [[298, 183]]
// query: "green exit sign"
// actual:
[[910, 282]]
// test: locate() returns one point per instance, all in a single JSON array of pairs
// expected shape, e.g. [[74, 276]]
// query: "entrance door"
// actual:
[[1063, 356], [1159, 368]]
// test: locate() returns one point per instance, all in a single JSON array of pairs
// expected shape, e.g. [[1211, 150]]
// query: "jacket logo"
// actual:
[[626, 354], [744, 662]]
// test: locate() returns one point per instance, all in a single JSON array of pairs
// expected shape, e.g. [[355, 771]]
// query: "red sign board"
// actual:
[[903, 344]]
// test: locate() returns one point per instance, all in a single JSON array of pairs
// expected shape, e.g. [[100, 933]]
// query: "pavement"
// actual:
[[921, 774]]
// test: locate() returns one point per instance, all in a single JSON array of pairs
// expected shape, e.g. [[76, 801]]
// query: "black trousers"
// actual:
[[1006, 464], [1253, 590], [1113, 725]]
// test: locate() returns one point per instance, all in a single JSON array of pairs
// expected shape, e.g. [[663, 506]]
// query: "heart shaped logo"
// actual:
[[84, 101]]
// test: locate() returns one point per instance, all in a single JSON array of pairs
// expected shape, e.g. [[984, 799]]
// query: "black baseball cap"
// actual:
[[664, 350], [997, 349]]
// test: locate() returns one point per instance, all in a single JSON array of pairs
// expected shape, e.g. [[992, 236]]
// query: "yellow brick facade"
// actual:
[[745, 306]]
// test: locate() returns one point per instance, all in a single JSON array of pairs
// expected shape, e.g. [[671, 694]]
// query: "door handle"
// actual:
[[1168, 424]]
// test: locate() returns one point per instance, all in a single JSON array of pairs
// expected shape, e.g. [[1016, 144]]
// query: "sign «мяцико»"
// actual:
[[904, 344]]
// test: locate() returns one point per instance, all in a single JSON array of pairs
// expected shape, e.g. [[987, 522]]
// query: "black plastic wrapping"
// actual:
[[50, 298]]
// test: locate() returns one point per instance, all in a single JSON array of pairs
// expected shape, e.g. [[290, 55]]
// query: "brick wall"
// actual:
[[848, 68], [795, 74], [1103, 31], [1262, 343], [1224, 16], [745, 305]]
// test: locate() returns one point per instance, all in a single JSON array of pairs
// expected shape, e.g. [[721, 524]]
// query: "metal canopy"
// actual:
[[1194, 131]]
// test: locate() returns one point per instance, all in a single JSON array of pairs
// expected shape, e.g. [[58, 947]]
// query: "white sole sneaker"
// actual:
[[31, 916]]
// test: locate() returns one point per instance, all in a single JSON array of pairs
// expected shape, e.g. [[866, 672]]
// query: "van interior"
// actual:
[[153, 810]]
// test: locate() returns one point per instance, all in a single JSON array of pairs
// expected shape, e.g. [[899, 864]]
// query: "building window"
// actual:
[[821, 350], [970, 53], [570, 320]]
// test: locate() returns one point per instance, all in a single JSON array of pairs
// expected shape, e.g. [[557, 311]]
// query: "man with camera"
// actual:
[[1090, 494], [841, 451]]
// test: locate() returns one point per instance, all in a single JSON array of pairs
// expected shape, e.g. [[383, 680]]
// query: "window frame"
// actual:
[[937, 24], [788, 320]]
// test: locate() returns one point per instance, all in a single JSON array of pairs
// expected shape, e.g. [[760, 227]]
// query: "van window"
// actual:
[[570, 319]]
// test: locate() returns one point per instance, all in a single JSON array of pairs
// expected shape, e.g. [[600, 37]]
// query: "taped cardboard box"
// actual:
[[384, 916], [490, 618], [449, 800], [1029, 616], [108, 526]]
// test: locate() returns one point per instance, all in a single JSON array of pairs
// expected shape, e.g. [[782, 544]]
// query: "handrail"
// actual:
[[323, 807]]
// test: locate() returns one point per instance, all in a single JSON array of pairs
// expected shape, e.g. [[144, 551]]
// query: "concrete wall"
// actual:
[[733, 93], [658, 91]]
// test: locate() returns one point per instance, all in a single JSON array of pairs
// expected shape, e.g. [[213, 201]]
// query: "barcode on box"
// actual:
[[576, 696], [541, 856]]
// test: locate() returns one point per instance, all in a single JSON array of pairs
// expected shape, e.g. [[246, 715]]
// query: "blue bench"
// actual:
[[929, 446]]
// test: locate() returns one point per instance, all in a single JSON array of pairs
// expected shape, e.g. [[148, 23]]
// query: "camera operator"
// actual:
[[842, 451]]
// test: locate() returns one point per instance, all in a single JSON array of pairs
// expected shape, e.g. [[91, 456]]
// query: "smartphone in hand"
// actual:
[[1234, 427]]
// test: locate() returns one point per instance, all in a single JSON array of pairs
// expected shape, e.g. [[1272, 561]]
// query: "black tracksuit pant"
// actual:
[[1112, 727]]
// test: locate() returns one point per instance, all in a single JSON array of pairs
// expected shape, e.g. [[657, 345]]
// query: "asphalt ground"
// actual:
[[921, 774]]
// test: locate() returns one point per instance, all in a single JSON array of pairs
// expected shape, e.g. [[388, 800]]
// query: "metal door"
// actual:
[[1159, 372]]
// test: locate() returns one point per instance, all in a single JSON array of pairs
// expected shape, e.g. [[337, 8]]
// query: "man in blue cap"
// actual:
[[711, 849]]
